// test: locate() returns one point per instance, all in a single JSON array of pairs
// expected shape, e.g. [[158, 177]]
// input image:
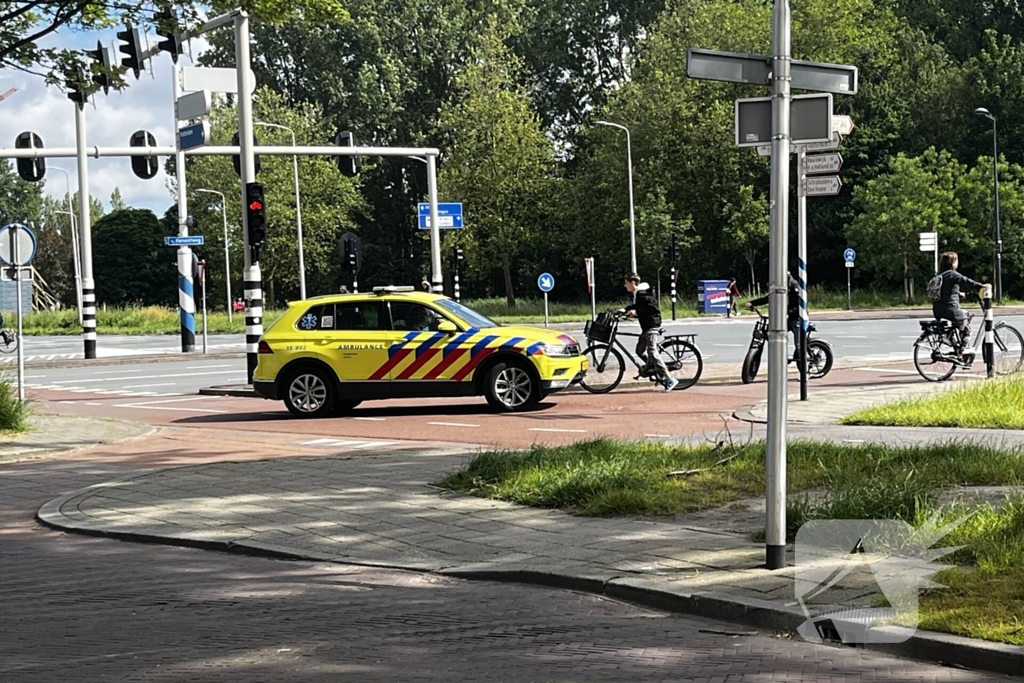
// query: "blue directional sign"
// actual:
[[849, 255], [195, 135], [546, 282], [186, 241], [449, 215]]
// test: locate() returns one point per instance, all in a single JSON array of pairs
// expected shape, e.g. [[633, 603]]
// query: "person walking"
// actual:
[[645, 309], [734, 294]]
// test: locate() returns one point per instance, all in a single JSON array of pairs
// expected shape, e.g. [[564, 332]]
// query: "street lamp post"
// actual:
[[227, 255], [74, 245], [629, 170], [981, 111], [298, 206]]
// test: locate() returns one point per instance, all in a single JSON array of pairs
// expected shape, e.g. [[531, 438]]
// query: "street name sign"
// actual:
[[834, 142], [734, 67], [820, 186], [810, 119], [823, 163], [929, 240], [449, 215], [183, 241], [194, 136]]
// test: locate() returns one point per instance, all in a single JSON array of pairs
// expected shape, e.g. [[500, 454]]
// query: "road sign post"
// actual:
[[801, 265], [929, 241], [195, 137], [588, 264], [546, 282], [848, 256], [17, 249]]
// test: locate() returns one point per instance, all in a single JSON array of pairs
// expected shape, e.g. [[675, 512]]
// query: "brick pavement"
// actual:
[[96, 609]]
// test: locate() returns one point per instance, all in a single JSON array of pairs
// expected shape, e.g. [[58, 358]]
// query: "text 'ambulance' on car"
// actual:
[[328, 354]]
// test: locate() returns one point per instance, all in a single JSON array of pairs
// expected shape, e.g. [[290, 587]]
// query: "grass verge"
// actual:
[[868, 481], [132, 320], [13, 413], [995, 404]]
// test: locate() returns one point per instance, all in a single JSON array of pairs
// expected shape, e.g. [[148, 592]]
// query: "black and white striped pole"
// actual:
[[988, 347], [456, 262], [85, 238], [801, 260], [186, 285]]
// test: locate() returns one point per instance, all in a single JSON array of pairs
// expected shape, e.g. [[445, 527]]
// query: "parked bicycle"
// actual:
[[819, 352], [605, 353], [937, 350]]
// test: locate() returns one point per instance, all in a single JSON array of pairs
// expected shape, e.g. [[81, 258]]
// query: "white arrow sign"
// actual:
[[822, 185], [842, 124], [837, 139], [823, 163]]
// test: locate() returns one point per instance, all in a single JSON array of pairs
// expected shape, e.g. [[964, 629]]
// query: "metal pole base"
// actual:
[[90, 348], [250, 362], [775, 556]]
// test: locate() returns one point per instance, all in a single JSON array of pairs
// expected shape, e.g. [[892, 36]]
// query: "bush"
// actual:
[[13, 413]]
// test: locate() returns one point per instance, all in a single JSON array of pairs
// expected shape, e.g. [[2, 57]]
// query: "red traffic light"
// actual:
[[256, 205]]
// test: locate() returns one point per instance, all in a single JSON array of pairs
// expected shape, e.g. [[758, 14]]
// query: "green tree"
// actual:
[[20, 200], [130, 262], [501, 164], [54, 259], [918, 194], [117, 202], [747, 226]]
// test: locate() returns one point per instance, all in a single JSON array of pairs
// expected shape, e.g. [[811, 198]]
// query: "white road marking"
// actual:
[[850, 336], [452, 424], [201, 367], [369, 419], [738, 345], [568, 431], [141, 386], [180, 374], [658, 436]]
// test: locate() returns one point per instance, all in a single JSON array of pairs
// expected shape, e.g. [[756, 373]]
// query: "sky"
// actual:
[[145, 104]]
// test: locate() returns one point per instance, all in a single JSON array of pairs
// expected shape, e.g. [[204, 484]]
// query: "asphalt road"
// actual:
[[720, 341], [89, 609]]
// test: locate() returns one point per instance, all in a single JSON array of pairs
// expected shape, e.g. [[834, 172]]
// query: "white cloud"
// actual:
[[146, 104]]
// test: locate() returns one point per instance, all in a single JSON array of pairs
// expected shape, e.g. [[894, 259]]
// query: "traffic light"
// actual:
[[144, 167], [132, 49], [105, 60], [79, 87], [350, 166], [237, 162], [255, 214], [672, 250], [352, 259], [167, 25], [31, 170], [456, 256]]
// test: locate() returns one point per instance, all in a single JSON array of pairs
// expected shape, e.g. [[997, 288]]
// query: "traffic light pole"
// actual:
[[85, 238], [436, 284], [252, 285], [186, 292]]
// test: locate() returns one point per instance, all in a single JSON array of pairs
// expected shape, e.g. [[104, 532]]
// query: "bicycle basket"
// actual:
[[601, 328]]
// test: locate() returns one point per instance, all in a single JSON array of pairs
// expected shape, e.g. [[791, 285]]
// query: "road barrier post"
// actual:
[[988, 348]]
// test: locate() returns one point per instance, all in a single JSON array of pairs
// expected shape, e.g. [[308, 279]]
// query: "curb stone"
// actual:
[[926, 646]]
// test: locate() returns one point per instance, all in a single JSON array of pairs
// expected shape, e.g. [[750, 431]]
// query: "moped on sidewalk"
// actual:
[[819, 352]]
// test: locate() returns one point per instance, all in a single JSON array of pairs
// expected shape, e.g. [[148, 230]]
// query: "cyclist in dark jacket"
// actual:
[[645, 309], [947, 306], [792, 310]]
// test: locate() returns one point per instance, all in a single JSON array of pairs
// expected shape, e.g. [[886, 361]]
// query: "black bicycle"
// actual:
[[937, 350], [605, 352], [819, 352]]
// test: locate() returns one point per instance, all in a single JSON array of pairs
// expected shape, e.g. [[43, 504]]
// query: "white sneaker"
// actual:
[[671, 383]]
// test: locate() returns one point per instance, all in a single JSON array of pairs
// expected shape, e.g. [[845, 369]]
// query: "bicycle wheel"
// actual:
[[1008, 352], [683, 361], [751, 363], [605, 371], [819, 359], [8, 342], [933, 357]]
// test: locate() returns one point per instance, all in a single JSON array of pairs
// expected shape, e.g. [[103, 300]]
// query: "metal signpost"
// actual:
[[929, 241], [782, 73], [17, 249], [588, 265], [848, 256], [546, 282], [186, 295]]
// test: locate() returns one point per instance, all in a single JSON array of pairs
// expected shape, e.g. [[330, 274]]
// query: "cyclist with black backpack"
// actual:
[[645, 309], [944, 293]]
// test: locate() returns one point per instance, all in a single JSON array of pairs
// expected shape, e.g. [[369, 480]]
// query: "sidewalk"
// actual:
[[381, 510], [58, 433]]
